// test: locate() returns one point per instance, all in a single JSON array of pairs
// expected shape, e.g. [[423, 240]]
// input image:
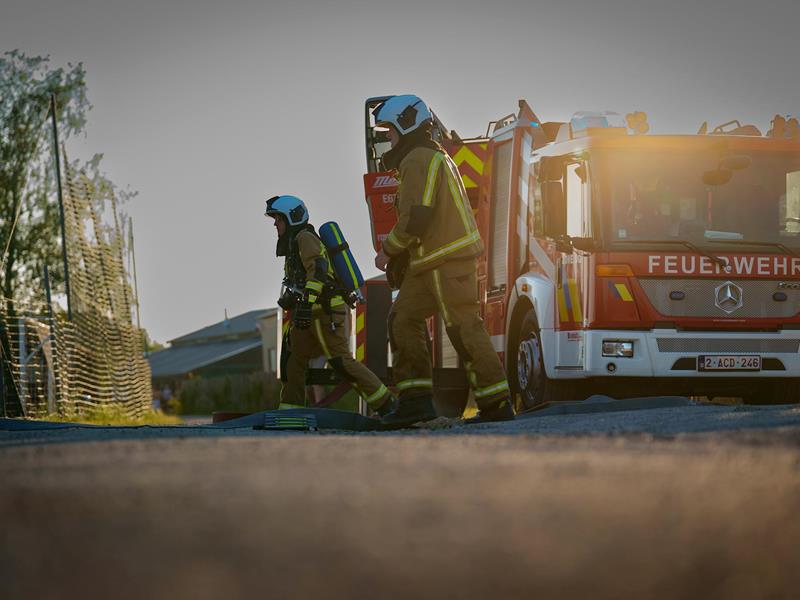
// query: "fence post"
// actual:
[[61, 207]]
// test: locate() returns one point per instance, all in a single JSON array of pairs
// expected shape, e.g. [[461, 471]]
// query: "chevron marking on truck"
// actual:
[[621, 291], [575, 300], [470, 163], [569, 299], [361, 333]]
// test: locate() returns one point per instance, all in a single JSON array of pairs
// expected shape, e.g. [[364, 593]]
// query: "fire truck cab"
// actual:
[[632, 264]]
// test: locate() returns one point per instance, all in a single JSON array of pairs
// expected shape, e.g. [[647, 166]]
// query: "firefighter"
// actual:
[[318, 309], [437, 242]]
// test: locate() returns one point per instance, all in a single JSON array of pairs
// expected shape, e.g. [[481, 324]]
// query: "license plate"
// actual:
[[729, 363]]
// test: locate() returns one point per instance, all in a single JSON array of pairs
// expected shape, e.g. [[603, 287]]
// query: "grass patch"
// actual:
[[114, 415]]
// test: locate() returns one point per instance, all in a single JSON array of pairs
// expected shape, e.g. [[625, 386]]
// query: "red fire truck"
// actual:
[[624, 263]]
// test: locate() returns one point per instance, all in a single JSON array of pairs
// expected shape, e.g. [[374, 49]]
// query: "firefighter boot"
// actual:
[[500, 411], [416, 409]]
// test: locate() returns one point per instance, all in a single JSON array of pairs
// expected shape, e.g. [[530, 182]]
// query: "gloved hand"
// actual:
[[396, 270], [301, 315]]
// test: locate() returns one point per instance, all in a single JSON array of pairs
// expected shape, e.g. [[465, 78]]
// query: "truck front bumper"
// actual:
[[671, 353]]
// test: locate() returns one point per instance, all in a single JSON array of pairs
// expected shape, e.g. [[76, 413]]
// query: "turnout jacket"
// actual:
[[435, 223], [308, 268]]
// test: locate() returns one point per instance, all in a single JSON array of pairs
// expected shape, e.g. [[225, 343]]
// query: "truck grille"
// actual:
[[699, 300], [727, 345]]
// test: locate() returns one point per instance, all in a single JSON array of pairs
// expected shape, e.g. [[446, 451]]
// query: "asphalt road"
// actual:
[[670, 503]]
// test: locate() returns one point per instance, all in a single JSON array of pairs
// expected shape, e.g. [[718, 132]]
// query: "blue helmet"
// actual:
[[405, 113], [290, 207]]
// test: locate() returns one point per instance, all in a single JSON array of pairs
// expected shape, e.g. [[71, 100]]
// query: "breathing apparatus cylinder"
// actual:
[[344, 263]]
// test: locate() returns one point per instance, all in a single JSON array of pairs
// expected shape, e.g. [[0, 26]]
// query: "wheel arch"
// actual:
[[535, 292]]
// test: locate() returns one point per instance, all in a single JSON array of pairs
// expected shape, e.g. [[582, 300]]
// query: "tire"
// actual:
[[529, 380]]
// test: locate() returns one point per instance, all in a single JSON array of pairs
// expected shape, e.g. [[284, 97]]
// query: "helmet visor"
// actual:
[[269, 211]]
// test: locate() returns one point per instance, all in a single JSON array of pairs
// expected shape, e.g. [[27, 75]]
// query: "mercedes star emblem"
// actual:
[[728, 297]]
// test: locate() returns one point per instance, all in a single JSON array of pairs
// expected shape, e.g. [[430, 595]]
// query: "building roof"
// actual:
[[243, 325], [180, 360]]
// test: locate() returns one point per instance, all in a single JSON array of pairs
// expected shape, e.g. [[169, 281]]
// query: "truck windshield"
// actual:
[[703, 196]]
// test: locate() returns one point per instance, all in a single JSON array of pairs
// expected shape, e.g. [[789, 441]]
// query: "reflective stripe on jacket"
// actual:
[[434, 217]]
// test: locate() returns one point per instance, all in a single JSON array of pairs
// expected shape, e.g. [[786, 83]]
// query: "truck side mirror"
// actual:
[[555, 210]]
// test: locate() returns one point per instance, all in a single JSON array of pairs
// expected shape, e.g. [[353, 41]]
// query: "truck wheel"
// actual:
[[529, 378]]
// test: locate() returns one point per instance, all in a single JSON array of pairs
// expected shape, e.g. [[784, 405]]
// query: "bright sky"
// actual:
[[208, 108]]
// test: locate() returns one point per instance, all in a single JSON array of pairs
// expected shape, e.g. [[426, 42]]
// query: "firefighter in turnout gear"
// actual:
[[437, 240], [319, 311]]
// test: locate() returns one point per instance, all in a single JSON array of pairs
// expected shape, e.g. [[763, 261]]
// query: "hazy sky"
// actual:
[[208, 108]]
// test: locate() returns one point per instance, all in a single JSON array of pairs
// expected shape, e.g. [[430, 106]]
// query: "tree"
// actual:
[[29, 216]]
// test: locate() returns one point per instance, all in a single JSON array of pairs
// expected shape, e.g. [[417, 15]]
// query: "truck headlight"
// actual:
[[618, 348]]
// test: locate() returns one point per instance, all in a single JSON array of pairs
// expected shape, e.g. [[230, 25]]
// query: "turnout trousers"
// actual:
[[450, 290], [333, 343]]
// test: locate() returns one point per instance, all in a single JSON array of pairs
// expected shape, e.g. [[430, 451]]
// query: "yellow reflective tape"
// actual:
[[286, 405], [458, 195], [360, 322], [449, 248], [465, 154], [575, 299], [623, 292], [415, 383], [492, 389], [314, 285], [321, 338], [437, 287], [347, 261], [563, 313], [379, 393], [433, 168], [350, 269], [460, 181], [339, 239], [393, 241], [360, 351]]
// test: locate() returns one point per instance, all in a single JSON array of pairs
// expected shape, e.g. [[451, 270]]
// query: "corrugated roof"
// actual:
[[235, 326], [183, 359]]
